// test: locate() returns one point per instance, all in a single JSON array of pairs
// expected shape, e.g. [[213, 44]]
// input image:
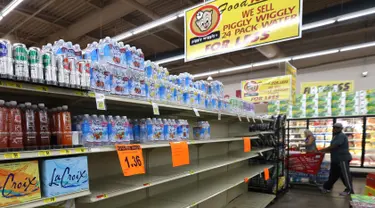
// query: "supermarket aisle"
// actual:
[[310, 197]]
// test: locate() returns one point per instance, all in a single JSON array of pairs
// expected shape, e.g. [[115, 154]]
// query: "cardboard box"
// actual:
[[64, 176], [19, 182]]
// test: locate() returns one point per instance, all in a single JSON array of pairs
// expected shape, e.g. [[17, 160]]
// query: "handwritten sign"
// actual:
[[131, 159], [246, 144], [180, 153]]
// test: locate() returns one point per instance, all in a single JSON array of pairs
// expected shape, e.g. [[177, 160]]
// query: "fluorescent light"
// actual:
[[237, 68], [171, 59], [320, 53], [123, 36], [318, 24], [271, 62], [182, 14], [205, 74], [356, 14], [10, 7], [154, 24], [365, 45]]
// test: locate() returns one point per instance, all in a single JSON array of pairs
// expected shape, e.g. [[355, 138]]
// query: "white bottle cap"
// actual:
[[41, 105], [2, 102], [65, 107], [28, 104]]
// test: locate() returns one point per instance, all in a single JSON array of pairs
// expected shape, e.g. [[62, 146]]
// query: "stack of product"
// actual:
[[202, 131], [57, 177], [33, 126], [59, 64], [112, 67], [327, 104], [101, 130]]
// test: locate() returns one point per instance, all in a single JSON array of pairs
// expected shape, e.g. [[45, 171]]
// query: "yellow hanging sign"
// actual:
[[291, 70], [327, 86], [223, 26], [267, 89]]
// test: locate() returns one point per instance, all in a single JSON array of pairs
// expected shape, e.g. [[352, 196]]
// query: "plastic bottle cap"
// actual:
[[13, 103], [65, 107], [59, 108], [41, 105], [2, 102], [34, 106]]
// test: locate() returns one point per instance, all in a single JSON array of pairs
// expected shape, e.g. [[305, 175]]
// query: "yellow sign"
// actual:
[[267, 89], [223, 26], [291, 70], [327, 86]]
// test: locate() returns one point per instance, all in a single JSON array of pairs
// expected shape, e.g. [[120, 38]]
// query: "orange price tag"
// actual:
[[266, 174], [246, 144], [246, 180], [131, 159], [180, 153]]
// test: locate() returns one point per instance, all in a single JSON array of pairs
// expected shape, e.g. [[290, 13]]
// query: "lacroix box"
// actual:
[[64, 176], [19, 182]]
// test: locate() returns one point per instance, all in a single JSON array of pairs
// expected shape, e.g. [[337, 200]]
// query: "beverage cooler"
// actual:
[[360, 131]]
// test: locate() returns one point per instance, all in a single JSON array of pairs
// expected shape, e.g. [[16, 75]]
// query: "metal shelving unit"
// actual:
[[217, 165], [50, 200], [200, 192], [117, 185], [252, 200]]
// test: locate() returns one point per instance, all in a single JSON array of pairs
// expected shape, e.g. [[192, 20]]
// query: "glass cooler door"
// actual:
[[296, 129], [353, 128], [369, 160], [322, 130]]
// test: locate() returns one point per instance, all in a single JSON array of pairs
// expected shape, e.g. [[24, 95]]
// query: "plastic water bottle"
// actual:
[[155, 130], [179, 130], [111, 130], [126, 129], [166, 130], [150, 130], [143, 130], [87, 133], [104, 125]]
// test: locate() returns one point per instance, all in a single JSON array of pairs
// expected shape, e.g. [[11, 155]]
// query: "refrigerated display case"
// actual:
[[369, 158], [353, 129], [322, 130], [296, 130]]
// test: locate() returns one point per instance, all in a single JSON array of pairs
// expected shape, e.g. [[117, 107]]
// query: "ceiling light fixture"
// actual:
[[270, 62], [205, 74], [299, 57], [315, 54], [10, 7], [356, 14], [318, 24], [154, 24], [171, 59], [365, 45]]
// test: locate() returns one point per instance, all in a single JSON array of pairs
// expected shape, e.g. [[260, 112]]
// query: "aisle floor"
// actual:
[[308, 197]]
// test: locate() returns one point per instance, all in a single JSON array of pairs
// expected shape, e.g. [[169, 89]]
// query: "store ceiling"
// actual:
[[36, 22]]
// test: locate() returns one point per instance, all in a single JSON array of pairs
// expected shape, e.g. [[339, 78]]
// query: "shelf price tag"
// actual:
[[266, 174], [80, 93], [65, 152], [239, 118], [41, 88], [131, 159], [12, 155], [246, 180], [13, 84], [49, 200], [80, 150], [100, 101], [196, 112], [219, 116], [155, 109], [102, 196], [44, 153], [180, 153], [91, 94], [246, 144]]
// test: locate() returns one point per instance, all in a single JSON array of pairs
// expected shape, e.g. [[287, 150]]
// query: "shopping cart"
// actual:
[[305, 163]]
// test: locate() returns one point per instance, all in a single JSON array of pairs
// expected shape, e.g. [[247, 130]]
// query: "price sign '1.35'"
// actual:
[[131, 159]]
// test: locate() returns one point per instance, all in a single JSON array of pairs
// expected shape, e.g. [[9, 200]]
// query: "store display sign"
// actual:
[[131, 159], [291, 70], [327, 86], [224, 26], [267, 89], [180, 153]]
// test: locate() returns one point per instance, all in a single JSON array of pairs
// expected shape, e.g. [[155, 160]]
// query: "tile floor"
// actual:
[[301, 196]]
